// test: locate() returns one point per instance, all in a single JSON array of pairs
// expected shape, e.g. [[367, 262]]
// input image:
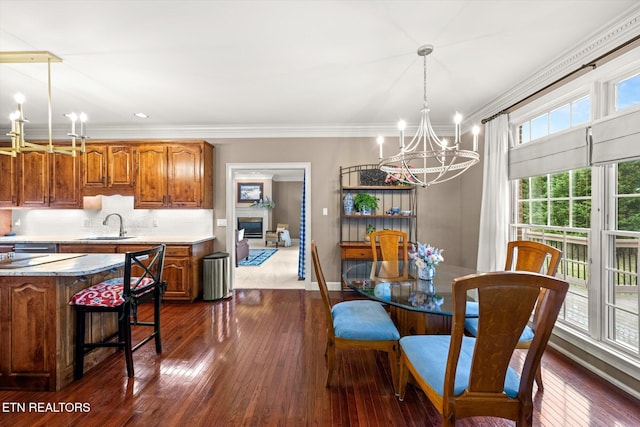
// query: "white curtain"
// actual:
[[494, 215]]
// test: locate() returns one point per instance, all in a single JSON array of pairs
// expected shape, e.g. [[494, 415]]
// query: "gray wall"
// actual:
[[288, 198], [448, 213]]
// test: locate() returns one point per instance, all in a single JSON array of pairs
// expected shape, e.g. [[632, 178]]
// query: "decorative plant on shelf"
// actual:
[[370, 229], [365, 203]]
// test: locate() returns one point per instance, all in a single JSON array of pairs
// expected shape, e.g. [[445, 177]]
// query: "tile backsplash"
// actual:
[[137, 222]]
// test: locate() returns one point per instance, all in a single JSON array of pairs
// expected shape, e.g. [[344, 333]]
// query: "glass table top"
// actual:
[[428, 296]]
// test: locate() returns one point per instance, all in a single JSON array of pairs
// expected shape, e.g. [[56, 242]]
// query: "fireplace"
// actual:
[[252, 226]]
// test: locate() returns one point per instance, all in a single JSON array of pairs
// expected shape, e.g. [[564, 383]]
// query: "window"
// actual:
[[620, 260], [556, 209], [583, 197], [566, 116], [627, 92]]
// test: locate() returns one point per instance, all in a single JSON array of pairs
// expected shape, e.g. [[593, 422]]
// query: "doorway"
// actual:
[[302, 171]]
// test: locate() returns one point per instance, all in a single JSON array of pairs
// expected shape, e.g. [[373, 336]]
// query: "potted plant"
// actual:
[[370, 229], [365, 203]]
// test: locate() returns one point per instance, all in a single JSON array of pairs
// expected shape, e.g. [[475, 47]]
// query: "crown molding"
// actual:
[[607, 38], [178, 131]]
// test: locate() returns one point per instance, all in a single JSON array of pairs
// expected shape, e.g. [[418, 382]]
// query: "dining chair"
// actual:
[[524, 255], [470, 376], [142, 282], [390, 242], [356, 324]]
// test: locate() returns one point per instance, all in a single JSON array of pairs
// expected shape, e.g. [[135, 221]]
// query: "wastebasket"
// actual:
[[216, 276]]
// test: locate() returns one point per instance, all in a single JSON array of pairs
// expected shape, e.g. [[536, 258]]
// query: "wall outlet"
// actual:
[[87, 223], [156, 223]]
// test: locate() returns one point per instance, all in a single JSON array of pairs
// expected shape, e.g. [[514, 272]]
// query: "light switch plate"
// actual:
[[222, 222]]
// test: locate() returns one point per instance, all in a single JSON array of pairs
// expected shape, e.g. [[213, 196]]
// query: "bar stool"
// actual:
[[122, 295]]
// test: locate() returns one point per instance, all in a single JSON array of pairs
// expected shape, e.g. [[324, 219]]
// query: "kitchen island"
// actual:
[[37, 326], [182, 264]]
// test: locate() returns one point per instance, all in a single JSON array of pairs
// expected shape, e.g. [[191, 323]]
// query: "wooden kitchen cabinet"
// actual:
[[37, 330], [182, 268], [174, 176], [182, 264], [108, 169], [49, 180], [27, 333], [8, 183]]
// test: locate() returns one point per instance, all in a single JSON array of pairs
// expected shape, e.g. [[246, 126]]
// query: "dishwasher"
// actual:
[[35, 248]]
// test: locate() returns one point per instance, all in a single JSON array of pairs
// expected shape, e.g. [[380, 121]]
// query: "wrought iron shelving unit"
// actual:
[[369, 179]]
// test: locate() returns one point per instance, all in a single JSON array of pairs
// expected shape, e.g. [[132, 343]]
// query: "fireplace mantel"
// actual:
[[242, 211]]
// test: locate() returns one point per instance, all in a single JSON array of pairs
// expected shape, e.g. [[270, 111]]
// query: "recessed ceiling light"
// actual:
[[141, 115]]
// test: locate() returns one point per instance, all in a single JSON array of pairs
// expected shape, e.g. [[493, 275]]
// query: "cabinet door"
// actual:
[[28, 333], [120, 166], [151, 182], [94, 171], [33, 184], [184, 176], [177, 273], [8, 194], [64, 191]]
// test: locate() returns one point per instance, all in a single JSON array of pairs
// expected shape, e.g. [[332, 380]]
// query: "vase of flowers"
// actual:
[[425, 257]]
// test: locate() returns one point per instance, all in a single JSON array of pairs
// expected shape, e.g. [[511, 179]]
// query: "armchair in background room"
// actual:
[[279, 235], [242, 246]]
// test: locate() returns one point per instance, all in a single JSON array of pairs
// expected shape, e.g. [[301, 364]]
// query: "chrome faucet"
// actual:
[[122, 232]]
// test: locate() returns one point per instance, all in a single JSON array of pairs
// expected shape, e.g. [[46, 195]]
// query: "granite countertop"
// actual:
[[63, 264], [171, 240]]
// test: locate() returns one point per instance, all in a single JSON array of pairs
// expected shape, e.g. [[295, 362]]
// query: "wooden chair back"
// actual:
[[506, 300], [390, 243], [527, 255]]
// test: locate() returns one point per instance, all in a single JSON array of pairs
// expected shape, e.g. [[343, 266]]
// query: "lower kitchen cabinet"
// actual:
[[182, 264]]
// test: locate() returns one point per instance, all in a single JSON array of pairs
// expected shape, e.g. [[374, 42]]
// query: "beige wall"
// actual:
[[448, 214]]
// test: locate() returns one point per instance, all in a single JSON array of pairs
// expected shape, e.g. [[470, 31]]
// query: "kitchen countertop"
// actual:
[[67, 265], [83, 239]]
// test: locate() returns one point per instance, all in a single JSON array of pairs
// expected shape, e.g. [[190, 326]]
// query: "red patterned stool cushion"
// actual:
[[107, 293]]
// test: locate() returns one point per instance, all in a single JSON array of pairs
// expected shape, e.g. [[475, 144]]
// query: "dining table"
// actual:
[[416, 306]]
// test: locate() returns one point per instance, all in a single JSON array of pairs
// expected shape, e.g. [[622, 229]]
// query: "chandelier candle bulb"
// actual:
[[476, 131], [380, 142]]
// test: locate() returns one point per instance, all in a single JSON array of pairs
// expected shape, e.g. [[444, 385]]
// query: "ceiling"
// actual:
[[221, 69]]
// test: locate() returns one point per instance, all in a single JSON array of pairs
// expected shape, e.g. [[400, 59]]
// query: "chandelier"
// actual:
[[427, 159], [18, 119]]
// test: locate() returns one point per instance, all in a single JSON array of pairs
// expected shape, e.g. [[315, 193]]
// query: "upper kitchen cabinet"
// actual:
[[176, 175], [108, 169], [8, 187], [49, 180]]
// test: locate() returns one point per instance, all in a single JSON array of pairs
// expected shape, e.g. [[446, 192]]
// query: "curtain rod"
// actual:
[[585, 68]]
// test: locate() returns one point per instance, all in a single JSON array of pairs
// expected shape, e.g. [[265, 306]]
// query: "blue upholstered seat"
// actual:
[[471, 323], [363, 320], [428, 354]]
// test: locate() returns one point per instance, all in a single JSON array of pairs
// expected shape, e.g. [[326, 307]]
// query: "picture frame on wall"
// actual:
[[249, 192]]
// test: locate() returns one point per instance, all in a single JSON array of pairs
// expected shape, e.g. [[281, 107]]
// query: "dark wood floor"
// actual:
[[258, 359]]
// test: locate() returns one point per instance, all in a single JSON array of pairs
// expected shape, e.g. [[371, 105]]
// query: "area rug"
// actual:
[[257, 257]]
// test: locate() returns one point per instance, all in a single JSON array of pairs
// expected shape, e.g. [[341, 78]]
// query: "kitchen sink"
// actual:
[[107, 238]]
